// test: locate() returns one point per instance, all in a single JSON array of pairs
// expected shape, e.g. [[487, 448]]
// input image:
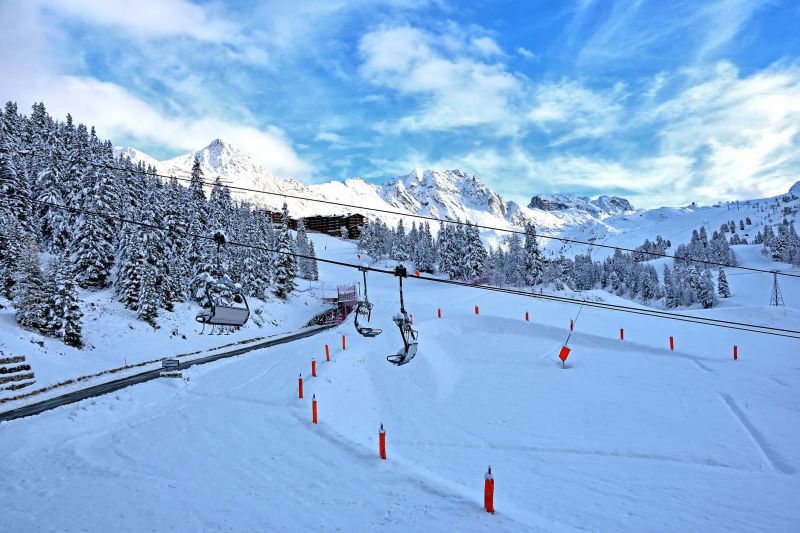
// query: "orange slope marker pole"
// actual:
[[382, 441], [300, 386], [488, 492], [314, 408]]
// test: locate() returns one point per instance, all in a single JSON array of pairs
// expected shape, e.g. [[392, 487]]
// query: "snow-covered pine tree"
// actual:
[[512, 260], [285, 264], [91, 253], [199, 224], [148, 297], [14, 190], [176, 246], [66, 307], [130, 267], [670, 299], [12, 243], [313, 270], [29, 295], [303, 248], [647, 287], [427, 253], [476, 256], [400, 243], [723, 288], [443, 247], [533, 262], [706, 294], [457, 251]]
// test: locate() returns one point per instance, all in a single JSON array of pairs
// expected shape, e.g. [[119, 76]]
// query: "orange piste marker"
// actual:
[[382, 441], [488, 492], [314, 408]]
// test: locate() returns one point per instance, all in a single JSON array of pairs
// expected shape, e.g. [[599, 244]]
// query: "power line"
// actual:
[[410, 215], [754, 328]]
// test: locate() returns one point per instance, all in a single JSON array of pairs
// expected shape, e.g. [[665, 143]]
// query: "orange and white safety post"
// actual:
[[314, 408], [344, 342], [621, 334], [382, 442], [527, 318], [672, 343], [313, 368], [477, 311], [488, 492], [735, 353], [300, 386], [327, 353]]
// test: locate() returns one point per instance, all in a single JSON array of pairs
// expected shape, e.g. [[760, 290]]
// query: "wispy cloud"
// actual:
[[448, 73]]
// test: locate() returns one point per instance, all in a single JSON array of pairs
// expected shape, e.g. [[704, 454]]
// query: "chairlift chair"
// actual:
[[364, 308], [224, 318], [410, 336]]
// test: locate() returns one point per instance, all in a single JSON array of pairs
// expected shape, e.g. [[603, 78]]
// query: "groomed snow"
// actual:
[[630, 437]]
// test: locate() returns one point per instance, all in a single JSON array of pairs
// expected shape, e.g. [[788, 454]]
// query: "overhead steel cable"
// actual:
[[754, 328], [411, 215]]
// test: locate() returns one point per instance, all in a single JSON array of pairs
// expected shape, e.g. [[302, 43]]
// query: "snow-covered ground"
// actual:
[[114, 337], [630, 437]]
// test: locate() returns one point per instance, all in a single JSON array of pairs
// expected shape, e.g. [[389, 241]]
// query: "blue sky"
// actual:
[[663, 102]]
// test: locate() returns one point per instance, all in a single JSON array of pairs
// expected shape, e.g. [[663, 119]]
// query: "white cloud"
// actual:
[[486, 46], [742, 132], [575, 111], [527, 54], [636, 28], [329, 137], [32, 74], [117, 113], [456, 86], [150, 17]]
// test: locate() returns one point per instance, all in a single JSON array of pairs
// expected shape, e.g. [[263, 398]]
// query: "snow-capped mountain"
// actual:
[[454, 195], [137, 156]]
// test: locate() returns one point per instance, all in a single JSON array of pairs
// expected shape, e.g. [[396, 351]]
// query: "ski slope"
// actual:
[[630, 437]]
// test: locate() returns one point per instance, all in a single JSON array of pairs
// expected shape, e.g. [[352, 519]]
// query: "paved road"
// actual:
[[117, 384]]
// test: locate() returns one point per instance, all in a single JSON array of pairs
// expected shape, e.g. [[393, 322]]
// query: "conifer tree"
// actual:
[[722, 284], [29, 296], [11, 245], [66, 310], [302, 247], [313, 271], [91, 253], [706, 294], [285, 264], [534, 266], [148, 298]]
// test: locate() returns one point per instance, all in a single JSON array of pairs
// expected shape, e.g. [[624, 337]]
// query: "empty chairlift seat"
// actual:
[[224, 317]]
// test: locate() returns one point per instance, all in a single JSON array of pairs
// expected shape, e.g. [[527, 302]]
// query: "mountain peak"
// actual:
[[439, 192]]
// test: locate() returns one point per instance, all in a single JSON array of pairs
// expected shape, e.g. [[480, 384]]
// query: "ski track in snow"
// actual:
[[773, 458]]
